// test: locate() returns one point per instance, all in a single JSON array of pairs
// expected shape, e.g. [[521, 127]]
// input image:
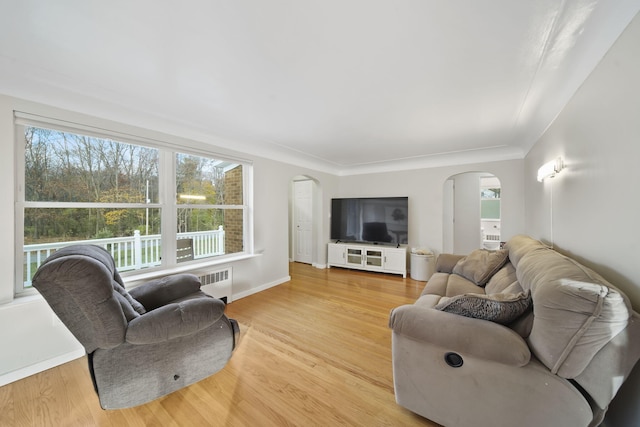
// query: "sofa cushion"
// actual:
[[428, 301], [437, 284], [480, 265], [499, 308], [576, 312], [520, 245], [501, 280], [444, 284], [523, 324], [446, 262], [458, 285], [573, 321]]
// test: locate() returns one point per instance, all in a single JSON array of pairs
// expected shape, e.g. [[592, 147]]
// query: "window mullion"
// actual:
[[247, 213], [90, 205], [19, 209], [168, 201]]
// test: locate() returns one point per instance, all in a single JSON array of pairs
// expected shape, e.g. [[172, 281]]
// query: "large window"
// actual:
[[79, 186], [210, 211]]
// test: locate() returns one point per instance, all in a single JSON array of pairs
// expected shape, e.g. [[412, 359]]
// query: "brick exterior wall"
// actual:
[[233, 221]]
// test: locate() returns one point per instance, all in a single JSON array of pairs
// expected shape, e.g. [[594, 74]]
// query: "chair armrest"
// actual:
[[446, 262], [474, 337], [159, 292], [175, 320]]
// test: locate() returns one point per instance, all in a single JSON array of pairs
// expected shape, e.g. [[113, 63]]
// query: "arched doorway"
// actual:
[[471, 215]]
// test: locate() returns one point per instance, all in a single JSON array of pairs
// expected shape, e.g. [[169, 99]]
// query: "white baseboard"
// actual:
[[27, 371], [261, 288]]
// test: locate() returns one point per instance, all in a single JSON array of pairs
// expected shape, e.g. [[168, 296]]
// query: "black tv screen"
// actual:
[[370, 220]]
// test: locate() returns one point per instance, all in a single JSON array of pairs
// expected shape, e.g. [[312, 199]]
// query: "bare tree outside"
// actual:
[[64, 167]]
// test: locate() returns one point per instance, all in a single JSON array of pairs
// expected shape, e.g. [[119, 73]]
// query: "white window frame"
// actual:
[[167, 201]]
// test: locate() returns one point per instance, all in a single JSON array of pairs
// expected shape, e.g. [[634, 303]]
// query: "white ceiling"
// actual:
[[347, 86]]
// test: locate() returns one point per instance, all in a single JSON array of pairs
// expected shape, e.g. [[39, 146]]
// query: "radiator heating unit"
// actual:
[[217, 283]]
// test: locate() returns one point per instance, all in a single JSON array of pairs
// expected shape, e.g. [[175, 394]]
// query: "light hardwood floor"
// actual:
[[315, 351]]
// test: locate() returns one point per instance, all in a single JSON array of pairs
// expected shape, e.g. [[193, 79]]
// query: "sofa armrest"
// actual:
[[479, 338], [159, 292], [446, 262], [174, 320]]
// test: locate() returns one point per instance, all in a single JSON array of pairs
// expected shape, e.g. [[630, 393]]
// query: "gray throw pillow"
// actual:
[[499, 308], [480, 265]]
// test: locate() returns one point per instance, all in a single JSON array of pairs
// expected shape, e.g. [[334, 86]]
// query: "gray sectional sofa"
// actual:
[[523, 336]]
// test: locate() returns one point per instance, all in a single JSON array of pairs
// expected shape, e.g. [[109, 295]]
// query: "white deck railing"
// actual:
[[129, 253]]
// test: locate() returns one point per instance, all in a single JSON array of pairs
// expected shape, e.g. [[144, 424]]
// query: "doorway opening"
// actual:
[[471, 215], [303, 220], [490, 211]]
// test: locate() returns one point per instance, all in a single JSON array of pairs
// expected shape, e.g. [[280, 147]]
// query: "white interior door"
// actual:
[[303, 221]]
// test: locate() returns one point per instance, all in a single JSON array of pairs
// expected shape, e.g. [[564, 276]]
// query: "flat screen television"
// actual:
[[379, 220]]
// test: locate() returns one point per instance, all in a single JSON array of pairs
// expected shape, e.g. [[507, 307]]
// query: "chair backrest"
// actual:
[[83, 287]]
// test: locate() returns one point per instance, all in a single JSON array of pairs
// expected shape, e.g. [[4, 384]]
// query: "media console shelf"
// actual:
[[383, 259]]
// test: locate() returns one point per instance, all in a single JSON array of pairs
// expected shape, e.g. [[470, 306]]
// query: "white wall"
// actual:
[[590, 210], [425, 189], [466, 227]]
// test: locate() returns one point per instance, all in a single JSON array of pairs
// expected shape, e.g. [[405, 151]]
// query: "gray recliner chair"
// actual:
[[142, 344]]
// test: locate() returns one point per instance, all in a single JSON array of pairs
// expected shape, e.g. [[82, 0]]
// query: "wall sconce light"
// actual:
[[550, 169]]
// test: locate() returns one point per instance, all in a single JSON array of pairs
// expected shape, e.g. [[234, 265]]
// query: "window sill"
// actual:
[[136, 278]]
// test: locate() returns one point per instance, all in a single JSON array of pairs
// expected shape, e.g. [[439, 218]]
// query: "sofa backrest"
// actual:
[[576, 311]]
